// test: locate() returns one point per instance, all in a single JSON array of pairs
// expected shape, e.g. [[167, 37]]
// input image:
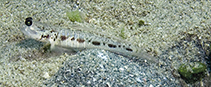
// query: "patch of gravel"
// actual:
[[105, 69]]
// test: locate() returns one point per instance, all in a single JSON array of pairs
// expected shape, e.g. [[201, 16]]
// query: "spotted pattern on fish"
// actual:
[[67, 38]]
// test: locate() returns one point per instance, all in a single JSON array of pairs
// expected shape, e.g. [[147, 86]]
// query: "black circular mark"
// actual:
[[123, 46], [28, 21]]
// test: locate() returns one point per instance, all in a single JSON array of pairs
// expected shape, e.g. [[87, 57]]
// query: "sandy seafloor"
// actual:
[[175, 32]]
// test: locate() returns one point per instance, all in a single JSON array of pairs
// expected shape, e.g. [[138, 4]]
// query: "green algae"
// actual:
[[141, 23], [122, 33], [192, 72], [75, 16]]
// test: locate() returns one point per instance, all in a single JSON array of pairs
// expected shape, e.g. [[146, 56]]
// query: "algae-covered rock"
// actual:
[[192, 72]]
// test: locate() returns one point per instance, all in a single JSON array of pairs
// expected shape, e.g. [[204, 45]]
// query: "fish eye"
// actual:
[[28, 21]]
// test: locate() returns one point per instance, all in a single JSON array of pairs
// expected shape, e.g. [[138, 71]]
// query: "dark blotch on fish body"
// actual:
[[80, 40], [63, 38], [96, 43], [72, 38], [112, 46], [128, 49]]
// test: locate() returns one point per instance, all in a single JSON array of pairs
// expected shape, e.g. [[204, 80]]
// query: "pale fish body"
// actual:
[[77, 40]]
